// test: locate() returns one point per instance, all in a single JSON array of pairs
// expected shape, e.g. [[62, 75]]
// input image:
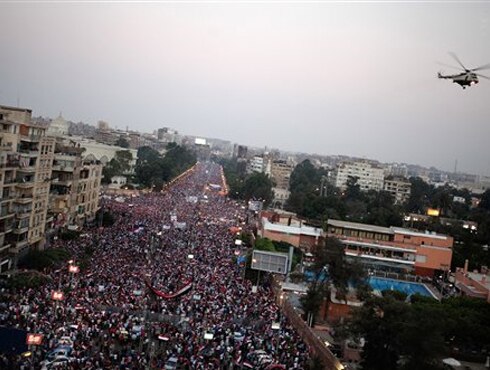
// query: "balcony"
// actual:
[[24, 199], [21, 229], [5, 213], [10, 164], [19, 245], [6, 228], [23, 212], [27, 169], [4, 247], [25, 184], [63, 168], [31, 138], [6, 147], [30, 152], [6, 197]]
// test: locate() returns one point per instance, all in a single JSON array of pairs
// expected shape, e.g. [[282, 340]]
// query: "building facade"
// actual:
[[287, 228], [370, 175], [75, 186], [26, 157], [256, 164], [398, 187], [281, 172], [393, 248]]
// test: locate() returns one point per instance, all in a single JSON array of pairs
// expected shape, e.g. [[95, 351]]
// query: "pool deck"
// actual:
[[437, 294]]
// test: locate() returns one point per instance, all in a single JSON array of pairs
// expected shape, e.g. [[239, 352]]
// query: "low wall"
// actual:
[[316, 346]]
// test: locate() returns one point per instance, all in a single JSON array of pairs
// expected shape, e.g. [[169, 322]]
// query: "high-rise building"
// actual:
[[26, 157]]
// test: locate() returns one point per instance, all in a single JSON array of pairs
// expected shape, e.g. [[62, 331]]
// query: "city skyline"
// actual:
[[355, 79]]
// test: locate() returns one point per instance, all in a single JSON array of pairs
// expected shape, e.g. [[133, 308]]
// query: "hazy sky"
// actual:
[[322, 77]]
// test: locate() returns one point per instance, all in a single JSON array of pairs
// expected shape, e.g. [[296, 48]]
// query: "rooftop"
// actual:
[[294, 230], [359, 226], [384, 230]]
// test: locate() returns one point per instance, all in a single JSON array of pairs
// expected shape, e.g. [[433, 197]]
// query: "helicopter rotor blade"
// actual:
[[479, 75], [485, 66], [457, 60], [448, 65]]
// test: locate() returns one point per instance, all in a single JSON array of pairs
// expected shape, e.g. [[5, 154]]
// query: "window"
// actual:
[[421, 258]]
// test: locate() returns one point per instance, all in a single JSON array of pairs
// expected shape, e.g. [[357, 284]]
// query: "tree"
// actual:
[[117, 166], [353, 189], [122, 142], [258, 186], [153, 170], [419, 195], [485, 201], [400, 335]]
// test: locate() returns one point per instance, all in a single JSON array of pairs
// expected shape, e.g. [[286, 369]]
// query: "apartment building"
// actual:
[[256, 164], [75, 186], [26, 157], [398, 187], [394, 248], [370, 175], [281, 172]]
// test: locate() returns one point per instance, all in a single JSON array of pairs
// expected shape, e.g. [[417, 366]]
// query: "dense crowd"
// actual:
[[110, 318]]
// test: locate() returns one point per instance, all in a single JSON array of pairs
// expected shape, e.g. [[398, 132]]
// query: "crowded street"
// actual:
[[162, 289]]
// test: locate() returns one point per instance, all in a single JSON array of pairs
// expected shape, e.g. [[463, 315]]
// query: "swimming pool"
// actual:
[[380, 284]]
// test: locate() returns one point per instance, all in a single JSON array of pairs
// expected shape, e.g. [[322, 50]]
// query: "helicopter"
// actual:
[[466, 78]]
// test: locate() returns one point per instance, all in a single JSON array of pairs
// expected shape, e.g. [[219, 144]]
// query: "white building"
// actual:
[[370, 175], [102, 152], [280, 197], [58, 127], [117, 182], [256, 164]]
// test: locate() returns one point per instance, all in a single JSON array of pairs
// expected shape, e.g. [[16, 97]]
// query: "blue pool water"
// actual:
[[402, 286]]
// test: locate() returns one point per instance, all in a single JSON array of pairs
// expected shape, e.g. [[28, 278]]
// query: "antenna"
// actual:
[[456, 166]]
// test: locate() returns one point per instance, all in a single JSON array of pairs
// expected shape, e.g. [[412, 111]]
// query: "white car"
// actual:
[[172, 363], [58, 361]]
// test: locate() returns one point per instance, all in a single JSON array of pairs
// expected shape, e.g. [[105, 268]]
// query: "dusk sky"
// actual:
[[347, 78]]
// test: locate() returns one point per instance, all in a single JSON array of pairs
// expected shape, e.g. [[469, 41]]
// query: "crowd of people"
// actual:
[[177, 242]]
